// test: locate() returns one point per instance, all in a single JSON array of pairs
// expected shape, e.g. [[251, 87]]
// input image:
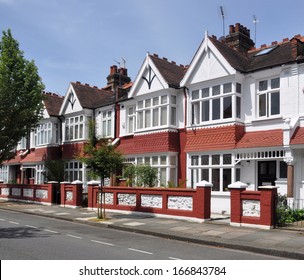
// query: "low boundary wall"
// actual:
[[253, 208], [194, 203], [42, 194]]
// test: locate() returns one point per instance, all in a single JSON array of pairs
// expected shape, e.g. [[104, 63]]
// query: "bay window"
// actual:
[[156, 111], [46, 133], [74, 128], [73, 171], [216, 103], [215, 168]]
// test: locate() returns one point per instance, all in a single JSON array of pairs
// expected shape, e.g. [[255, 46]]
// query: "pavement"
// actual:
[[287, 242]]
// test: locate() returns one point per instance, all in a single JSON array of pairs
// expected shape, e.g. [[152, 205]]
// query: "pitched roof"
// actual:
[[298, 136], [92, 97], [279, 54], [171, 72], [52, 103], [256, 139]]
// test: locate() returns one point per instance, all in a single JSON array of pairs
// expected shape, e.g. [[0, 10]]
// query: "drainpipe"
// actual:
[[186, 90]]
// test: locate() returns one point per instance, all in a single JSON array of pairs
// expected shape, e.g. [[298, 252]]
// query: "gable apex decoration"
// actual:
[[150, 78], [147, 73], [69, 101], [205, 49]]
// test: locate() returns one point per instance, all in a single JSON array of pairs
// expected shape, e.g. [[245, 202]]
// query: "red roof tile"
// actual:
[[267, 138], [149, 143], [298, 137], [216, 138], [52, 103]]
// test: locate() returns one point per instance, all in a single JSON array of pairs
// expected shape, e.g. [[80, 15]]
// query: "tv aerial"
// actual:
[[223, 18], [255, 21]]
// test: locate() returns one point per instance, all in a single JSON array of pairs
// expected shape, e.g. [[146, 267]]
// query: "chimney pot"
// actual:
[[237, 27], [77, 82], [231, 29], [285, 39], [274, 43], [263, 46], [113, 69]]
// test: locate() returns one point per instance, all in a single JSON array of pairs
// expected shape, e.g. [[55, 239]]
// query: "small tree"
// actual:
[[20, 94], [54, 170], [102, 159]]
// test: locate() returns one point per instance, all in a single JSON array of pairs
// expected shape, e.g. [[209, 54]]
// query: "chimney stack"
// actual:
[[117, 77], [239, 38]]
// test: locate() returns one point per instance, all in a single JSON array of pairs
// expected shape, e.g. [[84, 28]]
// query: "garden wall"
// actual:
[[43, 194], [194, 203]]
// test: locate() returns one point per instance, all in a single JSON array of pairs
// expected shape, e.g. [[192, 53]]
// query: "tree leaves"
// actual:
[[20, 95]]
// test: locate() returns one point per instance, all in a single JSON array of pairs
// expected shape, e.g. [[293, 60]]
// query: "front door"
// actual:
[[267, 173]]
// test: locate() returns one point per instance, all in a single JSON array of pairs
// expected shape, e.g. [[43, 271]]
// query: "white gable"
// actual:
[[207, 64], [45, 113], [70, 103], [148, 79]]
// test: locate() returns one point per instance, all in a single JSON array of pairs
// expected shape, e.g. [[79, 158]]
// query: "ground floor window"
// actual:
[[218, 169], [165, 164], [4, 173], [73, 171], [40, 171]]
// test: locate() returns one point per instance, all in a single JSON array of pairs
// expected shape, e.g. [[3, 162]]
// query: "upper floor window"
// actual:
[[131, 119], [43, 134], [74, 128], [216, 103], [106, 121], [22, 144], [269, 97], [157, 111]]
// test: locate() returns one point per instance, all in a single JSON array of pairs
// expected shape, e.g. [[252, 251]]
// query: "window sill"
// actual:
[[263, 119]]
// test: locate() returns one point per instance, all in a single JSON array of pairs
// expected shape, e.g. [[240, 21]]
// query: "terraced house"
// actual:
[[235, 113]]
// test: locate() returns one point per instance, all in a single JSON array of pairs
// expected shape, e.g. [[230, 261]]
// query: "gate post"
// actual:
[[202, 200], [236, 202], [268, 205], [92, 198]]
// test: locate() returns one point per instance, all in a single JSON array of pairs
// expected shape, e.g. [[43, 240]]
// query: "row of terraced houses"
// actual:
[[235, 113]]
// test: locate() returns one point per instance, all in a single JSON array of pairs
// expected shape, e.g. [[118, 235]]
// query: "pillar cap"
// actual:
[[203, 184], [268, 187], [237, 185], [65, 182], [52, 182], [93, 182], [76, 182]]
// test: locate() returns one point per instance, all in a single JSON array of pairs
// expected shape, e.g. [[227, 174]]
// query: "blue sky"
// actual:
[[78, 40]]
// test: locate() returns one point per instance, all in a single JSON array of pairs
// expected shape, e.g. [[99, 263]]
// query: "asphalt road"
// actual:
[[29, 237]]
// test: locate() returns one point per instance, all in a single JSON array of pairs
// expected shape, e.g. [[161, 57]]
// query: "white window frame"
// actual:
[[4, 173], [74, 170], [210, 96], [156, 112], [166, 165], [75, 128], [106, 123], [44, 132], [268, 92], [131, 119], [196, 167], [39, 176]]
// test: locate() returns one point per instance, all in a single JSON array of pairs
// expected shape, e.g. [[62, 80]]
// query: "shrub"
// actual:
[[285, 214]]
